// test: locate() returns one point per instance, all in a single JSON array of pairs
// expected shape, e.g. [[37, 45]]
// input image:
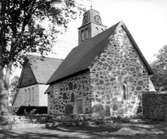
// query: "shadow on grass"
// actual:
[[30, 135], [59, 133], [67, 132], [87, 129]]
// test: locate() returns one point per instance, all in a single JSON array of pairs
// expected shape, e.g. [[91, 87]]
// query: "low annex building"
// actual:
[[107, 68], [35, 73]]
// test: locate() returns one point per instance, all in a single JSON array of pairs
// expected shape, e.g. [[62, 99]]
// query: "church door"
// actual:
[[79, 106]]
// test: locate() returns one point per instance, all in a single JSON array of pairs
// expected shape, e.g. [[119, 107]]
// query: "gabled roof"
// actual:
[[81, 57], [38, 70]]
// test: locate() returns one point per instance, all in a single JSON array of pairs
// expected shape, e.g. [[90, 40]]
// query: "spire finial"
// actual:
[[91, 6]]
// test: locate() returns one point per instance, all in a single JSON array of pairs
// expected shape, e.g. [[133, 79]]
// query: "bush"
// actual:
[[28, 109], [98, 111]]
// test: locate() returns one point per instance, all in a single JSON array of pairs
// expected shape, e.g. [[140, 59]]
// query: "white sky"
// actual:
[[145, 19]]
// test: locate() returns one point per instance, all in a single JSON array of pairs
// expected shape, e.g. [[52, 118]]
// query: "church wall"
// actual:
[[70, 92], [31, 96], [118, 76], [43, 99], [27, 96]]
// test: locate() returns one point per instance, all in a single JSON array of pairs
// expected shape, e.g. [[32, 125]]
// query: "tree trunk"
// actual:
[[3, 99], [4, 95], [3, 87]]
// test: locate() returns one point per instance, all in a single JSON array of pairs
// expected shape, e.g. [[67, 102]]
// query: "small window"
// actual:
[[107, 110], [70, 86], [79, 106], [75, 86], [82, 35], [124, 87], [72, 97], [64, 96], [124, 92], [86, 34]]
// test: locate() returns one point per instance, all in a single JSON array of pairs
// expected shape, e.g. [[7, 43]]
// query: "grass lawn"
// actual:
[[125, 131]]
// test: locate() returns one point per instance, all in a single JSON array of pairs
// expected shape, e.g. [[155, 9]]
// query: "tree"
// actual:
[[13, 89], [159, 67], [20, 34]]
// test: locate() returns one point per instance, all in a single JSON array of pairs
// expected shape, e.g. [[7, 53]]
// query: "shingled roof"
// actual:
[[81, 57], [38, 70]]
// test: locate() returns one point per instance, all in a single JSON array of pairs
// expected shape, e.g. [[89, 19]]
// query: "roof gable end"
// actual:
[[27, 77], [82, 56], [143, 59], [38, 70]]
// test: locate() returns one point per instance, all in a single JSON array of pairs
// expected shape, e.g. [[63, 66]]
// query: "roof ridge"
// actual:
[[35, 56], [81, 54]]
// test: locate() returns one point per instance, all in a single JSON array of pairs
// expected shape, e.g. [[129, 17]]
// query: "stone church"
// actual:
[[107, 68]]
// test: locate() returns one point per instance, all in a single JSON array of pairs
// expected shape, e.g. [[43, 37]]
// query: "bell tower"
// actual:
[[91, 25]]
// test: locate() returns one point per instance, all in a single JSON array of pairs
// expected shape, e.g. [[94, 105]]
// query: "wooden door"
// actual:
[[79, 106]]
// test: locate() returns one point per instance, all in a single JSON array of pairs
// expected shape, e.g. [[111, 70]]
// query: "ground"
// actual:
[[126, 131]]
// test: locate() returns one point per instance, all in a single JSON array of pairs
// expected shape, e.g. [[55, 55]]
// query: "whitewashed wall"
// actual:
[[43, 99], [31, 95]]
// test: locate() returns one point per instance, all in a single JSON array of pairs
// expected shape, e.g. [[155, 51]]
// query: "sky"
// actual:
[[145, 19]]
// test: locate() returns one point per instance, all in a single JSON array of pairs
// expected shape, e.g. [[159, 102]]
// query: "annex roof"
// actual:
[[38, 70]]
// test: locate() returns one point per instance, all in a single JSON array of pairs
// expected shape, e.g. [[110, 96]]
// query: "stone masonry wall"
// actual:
[[154, 106], [118, 76], [68, 92]]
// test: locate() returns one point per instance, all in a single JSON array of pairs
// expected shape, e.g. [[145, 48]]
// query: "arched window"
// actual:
[[86, 33], [107, 110], [125, 90], [64, 96], [82, 35], [70, 86]]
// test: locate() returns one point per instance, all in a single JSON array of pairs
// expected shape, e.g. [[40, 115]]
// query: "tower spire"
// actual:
[[91, 6], [91, 25]]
